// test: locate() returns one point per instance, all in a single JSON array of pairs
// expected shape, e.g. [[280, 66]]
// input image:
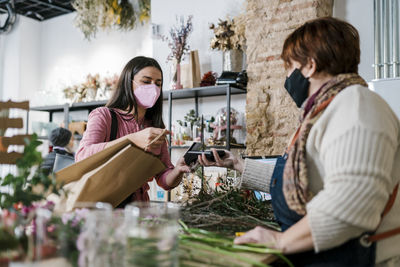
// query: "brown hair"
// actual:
[[333, 44], [123, 97]]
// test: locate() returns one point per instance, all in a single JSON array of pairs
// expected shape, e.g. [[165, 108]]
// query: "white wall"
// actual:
[[30, 59], [50, 55], [204, 12], [67, 58], [360, 13], [42, 58], [19, 55], [39, 59]]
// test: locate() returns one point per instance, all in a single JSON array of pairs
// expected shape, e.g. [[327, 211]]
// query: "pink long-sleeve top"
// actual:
[[97, 135]]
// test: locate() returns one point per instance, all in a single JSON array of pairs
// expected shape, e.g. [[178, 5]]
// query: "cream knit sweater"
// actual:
[[353, 158]]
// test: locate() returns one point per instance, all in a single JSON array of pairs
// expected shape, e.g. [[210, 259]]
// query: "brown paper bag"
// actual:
[[108, 176], [190, 73], [195, 69], [186, 76]]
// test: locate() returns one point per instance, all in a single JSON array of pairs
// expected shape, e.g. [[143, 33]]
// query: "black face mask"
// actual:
[[297, 86]]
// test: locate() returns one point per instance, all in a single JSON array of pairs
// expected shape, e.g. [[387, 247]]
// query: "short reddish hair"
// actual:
[[333, 44]]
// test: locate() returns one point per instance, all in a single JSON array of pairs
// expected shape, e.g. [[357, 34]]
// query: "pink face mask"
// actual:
[[146, 95]]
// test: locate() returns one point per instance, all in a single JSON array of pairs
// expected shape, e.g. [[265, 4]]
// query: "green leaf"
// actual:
[[22, 188], [7, 180]]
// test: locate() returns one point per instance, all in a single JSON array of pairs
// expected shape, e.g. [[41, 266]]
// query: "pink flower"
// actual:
[[25, 210], [66, 217], [51, 228], [81, 213], [9, 218]]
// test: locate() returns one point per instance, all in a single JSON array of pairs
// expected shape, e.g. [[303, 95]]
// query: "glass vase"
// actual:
[[93, 240], [52, 242], [152, 234], [175, 75], [117, 240]]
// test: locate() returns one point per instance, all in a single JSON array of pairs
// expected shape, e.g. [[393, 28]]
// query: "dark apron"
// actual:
[[351, 253]]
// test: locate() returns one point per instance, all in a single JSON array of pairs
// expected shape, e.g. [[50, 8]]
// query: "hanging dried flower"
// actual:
[[144, 7], [108, 14], [178, 39]]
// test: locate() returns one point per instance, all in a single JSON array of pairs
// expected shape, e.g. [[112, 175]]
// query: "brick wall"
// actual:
[[271, 115]]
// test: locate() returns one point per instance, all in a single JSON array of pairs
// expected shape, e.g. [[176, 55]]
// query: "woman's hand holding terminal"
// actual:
[[228, 161]]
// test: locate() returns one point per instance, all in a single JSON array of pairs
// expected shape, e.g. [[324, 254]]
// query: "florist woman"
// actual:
[[136, 107], [340, 170]]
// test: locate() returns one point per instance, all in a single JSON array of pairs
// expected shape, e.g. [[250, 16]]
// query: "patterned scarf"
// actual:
[[295, 178]]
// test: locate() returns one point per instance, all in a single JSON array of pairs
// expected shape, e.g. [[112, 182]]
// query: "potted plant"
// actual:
[[229, 37], [178, 43]]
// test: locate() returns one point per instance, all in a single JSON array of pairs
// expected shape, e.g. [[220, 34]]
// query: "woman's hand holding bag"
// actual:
[[149, 139]]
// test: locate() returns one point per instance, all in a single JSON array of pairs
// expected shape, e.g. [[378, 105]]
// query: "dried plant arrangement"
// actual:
[[144, 13], [239, 28], [93, 88], [92, 15], [227, 209], [178, 39], [229, 34]]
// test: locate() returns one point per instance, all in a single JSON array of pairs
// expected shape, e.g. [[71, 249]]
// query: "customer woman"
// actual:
[[137, 106], [331, 187]]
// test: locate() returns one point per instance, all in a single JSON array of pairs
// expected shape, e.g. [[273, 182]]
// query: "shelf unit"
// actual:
[[192, 93], [66, 108], [200, 92], [195, 93]]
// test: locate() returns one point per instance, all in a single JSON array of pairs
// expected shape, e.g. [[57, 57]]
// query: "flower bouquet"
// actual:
[[229, 37], [178, 43], [229, 34], [93, 88]]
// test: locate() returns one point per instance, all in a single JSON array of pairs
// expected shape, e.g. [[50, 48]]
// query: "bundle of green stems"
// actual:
[[209, 222], [200, 247]]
